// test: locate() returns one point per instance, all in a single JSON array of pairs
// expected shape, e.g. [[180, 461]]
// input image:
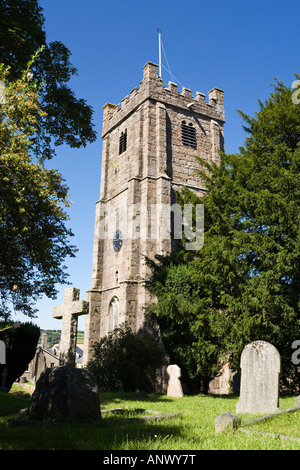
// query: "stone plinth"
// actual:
[[65, 394]]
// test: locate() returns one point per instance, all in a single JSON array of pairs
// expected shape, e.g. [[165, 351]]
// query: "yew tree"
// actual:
[[244, 284]]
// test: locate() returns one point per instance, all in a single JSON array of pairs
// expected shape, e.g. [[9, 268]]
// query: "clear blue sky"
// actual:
[[235, 45]]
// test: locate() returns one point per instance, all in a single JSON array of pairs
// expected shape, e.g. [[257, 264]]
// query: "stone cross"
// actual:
[[69, 312], [260, 369], [174, 384]]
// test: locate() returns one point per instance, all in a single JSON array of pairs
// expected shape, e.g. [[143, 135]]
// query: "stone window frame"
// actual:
[[123, 142], [113, 313], [188, 134]]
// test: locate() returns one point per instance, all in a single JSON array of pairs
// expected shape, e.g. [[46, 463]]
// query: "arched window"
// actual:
[[188, 134], [113, 314]]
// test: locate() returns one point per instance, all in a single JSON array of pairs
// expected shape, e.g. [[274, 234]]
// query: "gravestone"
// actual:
[[260, 369], [69, 312], [174, 383], [2, 352], [227, 421]]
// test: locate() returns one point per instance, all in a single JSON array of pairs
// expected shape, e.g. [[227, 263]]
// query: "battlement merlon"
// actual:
[[152, 87]]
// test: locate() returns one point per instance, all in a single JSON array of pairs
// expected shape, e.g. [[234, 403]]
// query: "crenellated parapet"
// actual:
[[152, 87]]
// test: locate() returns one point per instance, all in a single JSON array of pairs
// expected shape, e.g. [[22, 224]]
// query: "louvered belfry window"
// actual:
[[123, 142], [188, 134]]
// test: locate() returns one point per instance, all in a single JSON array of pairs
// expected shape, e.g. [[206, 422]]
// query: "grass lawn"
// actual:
[[193, 429]]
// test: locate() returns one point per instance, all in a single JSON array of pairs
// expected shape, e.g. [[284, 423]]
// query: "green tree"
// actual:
[[21, 341], [123, 360], [22, 33], [243, 285], [189, 330], [34, 237]]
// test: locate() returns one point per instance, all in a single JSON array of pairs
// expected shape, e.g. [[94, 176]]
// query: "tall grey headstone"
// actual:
[[69, 312], [174, 383], [260, 369], [2, 353]]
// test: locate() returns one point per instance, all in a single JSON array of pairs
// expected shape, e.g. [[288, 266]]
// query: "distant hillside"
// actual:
[[53, 337], [80, 337]]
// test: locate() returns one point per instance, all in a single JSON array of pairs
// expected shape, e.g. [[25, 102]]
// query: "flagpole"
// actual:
[[159, 52]]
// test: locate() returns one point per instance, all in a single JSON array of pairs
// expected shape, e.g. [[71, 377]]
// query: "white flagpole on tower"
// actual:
[[159, 52]]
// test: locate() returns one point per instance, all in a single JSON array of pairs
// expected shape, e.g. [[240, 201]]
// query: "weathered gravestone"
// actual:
[[65, 394], [69, 312], [260, 369], [174, 383], [227, 421]]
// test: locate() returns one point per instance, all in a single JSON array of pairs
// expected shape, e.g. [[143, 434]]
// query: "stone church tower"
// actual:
[[149, 143]]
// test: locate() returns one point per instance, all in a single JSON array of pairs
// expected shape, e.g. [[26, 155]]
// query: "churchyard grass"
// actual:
[[11, 404], [192, 429], [288, 424]]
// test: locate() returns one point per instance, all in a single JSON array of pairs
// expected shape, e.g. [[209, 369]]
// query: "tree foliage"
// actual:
[[123, 360], [33, 232], [22, 33], [243, 285]]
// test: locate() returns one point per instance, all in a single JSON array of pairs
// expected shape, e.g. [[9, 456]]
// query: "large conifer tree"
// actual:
[[244, 284]]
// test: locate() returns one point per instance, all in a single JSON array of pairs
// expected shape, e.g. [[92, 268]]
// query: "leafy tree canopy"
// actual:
[[34, 237], [22, 33], [244, 284]]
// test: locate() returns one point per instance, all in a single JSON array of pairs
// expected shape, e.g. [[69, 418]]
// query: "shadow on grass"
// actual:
[[138, 397], [225, 397], [11, 403], [110, 434]]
